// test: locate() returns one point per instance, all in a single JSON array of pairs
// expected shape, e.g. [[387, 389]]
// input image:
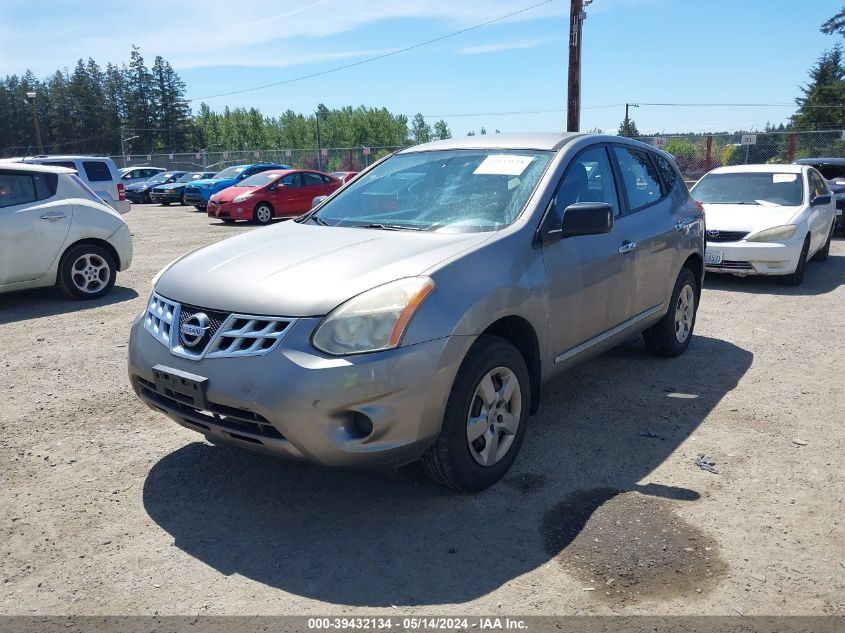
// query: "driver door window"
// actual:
[[589, 178]]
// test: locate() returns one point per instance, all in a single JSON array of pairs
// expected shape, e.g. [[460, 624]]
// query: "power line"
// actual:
[[376, 57], [738, 105], [513, 112]]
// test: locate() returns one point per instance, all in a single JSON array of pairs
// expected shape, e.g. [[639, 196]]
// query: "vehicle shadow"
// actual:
[[395, 538], [42, 302], [819, 278]]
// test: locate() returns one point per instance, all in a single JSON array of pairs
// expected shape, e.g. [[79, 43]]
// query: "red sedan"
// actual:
[[277, 193]]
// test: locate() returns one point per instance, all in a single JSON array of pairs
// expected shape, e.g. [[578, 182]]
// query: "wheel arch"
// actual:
[[96, 242], [695, 263], [519, 332]]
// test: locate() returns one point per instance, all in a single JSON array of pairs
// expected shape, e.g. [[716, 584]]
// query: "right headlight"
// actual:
[[374, 320], [776, 234]]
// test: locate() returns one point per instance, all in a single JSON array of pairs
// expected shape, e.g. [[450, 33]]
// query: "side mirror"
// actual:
[[820, 200], [586, 218], [318, 201]]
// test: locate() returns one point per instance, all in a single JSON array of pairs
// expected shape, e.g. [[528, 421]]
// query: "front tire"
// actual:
[[485, 419], [262, 214], [671, 335], [795, 279], [87, 271]]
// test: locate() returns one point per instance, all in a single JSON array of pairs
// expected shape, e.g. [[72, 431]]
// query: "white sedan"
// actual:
[[766, 219], [54, 230]]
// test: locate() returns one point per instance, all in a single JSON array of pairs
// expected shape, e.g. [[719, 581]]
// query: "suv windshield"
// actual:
[[767, 189], [447, 191], [258, 180], [230, 172]]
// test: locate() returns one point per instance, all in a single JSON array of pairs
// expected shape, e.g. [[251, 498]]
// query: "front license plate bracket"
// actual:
[[713, 257], [180, 385]]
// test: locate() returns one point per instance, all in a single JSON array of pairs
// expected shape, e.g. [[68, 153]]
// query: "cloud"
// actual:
[[503, 46], [244, 33]]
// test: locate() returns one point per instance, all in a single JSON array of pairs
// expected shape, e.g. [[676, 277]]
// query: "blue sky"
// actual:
[[738, 51]]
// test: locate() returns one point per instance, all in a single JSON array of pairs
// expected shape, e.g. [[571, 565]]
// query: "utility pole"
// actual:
[[573, 104], [626, 129], [30, 98], [319, 147]]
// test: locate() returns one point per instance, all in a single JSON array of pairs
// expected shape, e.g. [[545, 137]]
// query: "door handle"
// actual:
[[54, 215], [627, 247]]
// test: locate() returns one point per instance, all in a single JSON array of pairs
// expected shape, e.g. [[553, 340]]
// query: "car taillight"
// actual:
[[699, 205], [121, 192]]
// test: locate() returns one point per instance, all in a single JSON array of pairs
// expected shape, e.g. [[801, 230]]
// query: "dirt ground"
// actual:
[[111, 508]]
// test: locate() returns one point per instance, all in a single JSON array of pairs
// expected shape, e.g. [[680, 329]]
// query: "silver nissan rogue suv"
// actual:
[[416, 312]]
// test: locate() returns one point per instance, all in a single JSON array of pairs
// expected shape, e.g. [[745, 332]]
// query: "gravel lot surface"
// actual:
[[109, 507]]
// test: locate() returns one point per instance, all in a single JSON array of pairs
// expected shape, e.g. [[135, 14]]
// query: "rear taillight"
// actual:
[[121, 192], [699, 205]]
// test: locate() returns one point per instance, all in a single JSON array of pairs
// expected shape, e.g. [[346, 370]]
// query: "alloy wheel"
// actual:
[[494, 416]]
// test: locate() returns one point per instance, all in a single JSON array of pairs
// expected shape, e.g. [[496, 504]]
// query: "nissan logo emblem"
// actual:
[[193, 329], [712, 233]]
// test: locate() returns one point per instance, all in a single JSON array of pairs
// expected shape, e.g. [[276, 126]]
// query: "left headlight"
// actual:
[[775, 234], [243, 196], [373, 321]]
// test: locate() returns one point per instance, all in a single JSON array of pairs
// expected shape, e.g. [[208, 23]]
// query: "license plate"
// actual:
[[713, 258], [180, 385]]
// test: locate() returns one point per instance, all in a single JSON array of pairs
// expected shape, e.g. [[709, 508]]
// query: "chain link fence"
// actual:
[[327, 159], [696, 154]]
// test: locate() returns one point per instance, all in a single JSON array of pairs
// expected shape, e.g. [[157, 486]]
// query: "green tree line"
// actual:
[[92, 109]]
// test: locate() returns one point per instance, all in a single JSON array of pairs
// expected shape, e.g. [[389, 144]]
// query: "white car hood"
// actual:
[[749, 218]]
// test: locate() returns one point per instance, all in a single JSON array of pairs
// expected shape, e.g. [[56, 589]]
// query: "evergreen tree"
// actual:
[[825, 88], [140, 100], [835, 24], [421, 131], [631, 131], [441, 130]]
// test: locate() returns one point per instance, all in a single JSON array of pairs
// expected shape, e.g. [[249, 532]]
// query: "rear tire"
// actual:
[[489, 402], [262, 214], [671, 335], [86, 271], [795, 279]]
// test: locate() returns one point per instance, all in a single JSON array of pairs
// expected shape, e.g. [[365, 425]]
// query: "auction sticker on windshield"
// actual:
[[784, 178], [504, 165]]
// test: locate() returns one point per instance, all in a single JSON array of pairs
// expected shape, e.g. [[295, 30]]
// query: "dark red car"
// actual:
[[344, 176], [277, 193]]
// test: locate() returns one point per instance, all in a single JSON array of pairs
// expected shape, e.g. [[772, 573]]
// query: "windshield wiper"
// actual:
[[388, 227], [319, 220]]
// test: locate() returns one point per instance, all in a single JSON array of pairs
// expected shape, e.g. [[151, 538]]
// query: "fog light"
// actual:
[[360, 425]]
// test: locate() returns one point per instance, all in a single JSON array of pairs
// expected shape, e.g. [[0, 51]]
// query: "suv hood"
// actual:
[[297, 270], [141, 186], [747, 217], [208, 181]]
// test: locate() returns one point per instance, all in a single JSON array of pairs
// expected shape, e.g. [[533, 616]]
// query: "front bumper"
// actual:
[[165, 196], [137, 197], [197, 197], [229, 210], [755, 258], [297, 403]]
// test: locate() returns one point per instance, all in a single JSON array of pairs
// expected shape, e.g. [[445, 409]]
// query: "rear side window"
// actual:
[[309, 179], [639, 177], [45, 185], [670, 176], [16, 189], [88, 191], [96, 171], [60, 163], [326, 180]]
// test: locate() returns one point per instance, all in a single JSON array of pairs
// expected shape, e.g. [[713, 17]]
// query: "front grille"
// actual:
[[233, 420], [725, 236], [227, 335], [728, 264]]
